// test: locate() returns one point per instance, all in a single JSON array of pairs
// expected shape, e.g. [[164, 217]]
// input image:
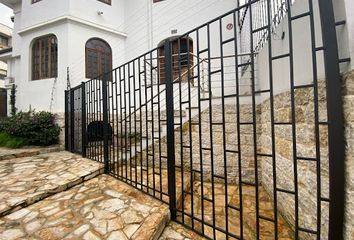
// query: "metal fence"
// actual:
[[254, 154]]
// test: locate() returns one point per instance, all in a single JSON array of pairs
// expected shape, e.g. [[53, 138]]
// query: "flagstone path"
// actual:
[[26, 180], [101, 208], [6, 153]]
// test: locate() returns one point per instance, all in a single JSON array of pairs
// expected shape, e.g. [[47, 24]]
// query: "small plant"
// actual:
[[11, 142], [13, 100], [34, 128]]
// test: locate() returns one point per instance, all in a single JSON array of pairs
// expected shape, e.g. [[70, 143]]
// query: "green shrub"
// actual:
[[11, 142], [37, 128]]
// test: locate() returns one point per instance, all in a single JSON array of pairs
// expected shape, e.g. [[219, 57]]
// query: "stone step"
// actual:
[[248, 208], [101, 208], [27, 180], [7, 153]]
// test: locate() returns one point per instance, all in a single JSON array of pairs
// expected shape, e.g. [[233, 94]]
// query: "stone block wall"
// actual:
[[307, 171], [188, 135], [305, 147], [348, 99], [60, 120]]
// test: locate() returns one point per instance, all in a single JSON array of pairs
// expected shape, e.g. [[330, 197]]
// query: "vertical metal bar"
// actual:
[[116, 163], [121, 122], [254, 121], [211, 130], [72, 121], [170, 130], [96, 118], [316, 117], [146, 124], [66, 119], [91, 119], [335, 119], [135, 132], [140, 126], [160, 123], [126, 106], [223, 126], [129, 145], [83, 119], [271, 102], [180, 98], [293, 120], [105, 124], [152, 126], [190, 128], [200, 130], [238, 129]]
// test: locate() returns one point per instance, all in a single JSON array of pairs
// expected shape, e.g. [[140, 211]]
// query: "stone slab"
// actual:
[[8, 153], [26, 180], [175, 231], [101, 208]]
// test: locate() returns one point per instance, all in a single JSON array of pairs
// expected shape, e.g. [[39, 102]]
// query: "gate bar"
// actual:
[[83, 119], [66, 119], [170, 131], [105, 124], [335, 119], [72, 119]]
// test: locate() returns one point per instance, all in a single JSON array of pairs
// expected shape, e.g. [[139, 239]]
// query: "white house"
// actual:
[[5, 43], [54, 41]]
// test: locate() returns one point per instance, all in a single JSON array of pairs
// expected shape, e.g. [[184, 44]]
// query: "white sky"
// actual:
[[5, 14]]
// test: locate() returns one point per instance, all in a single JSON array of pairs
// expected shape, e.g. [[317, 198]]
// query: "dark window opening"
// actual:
[[109, 2], [45, 58], [98, 58], [182, 59]]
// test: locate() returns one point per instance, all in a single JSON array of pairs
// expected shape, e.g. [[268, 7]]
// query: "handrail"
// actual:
[[161, 91]]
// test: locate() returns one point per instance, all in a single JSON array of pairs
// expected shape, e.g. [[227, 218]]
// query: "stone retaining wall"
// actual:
[[348, 98], [307, 171]]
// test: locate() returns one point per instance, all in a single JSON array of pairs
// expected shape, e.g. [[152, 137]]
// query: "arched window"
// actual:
[[182, 58], [98, 57], [45, 57]]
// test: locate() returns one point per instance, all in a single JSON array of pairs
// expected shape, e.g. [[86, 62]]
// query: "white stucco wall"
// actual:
[[146, 24], [349, 6], [153, 22], [302, 50], [112, 17], [37, 94]]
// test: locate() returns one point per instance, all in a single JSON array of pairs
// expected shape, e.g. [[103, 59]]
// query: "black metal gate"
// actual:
[[243, 136]]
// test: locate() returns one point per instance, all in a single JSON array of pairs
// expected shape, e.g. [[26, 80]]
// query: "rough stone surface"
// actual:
[[266, 209], [101, 208], [6, 153], [348, 99], [26, 180], [60, 120], [307, 171], [175, 231]]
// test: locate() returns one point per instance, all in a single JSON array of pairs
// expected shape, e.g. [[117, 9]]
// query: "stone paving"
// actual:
[[26, 180], [7, 153], [175, 231], [101, 208], [249, 212], [151, 181]]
